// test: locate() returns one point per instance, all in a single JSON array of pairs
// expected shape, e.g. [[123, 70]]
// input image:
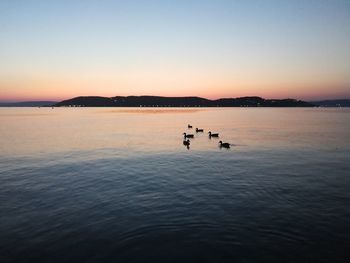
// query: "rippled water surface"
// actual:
[[118, 185]]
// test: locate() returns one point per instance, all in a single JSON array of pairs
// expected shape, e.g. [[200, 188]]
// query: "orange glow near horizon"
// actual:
[[56, 50], [212, 85], [51, 92]]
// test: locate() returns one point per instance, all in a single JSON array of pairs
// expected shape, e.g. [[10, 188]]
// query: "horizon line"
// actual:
[[55, 100]]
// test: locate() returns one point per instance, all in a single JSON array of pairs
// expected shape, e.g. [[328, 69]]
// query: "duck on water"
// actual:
[[188, 135], [199, 130], [187, 142], [213, 134], [224, 144]]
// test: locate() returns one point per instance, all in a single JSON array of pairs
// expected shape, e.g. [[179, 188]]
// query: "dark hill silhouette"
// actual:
[[156, 101]]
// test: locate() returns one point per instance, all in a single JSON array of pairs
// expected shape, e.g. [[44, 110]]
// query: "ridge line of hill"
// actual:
[[191, 101]]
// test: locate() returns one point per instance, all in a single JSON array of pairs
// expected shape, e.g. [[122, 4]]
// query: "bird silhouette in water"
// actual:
[[188, 135], [213, 134], [199, 130], [189, 126], [224, 145], [187, 144]]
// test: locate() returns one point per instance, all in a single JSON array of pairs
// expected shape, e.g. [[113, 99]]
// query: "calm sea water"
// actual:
[[118, 185]]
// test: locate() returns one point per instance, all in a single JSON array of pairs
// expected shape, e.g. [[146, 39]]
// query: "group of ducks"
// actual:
[[187, 142]]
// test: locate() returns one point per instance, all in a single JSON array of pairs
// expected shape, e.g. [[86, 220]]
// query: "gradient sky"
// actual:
[[53, 50]]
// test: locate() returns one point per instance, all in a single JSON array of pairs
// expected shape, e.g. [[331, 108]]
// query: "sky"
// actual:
[[55, 50]]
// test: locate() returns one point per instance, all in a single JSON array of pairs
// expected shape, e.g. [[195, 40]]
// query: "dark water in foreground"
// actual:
[[117, 185]]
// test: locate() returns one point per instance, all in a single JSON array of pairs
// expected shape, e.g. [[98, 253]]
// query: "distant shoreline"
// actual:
[[157, 101], [177, 102]]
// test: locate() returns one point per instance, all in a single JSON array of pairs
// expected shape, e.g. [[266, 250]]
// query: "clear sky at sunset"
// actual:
[[53, 50]]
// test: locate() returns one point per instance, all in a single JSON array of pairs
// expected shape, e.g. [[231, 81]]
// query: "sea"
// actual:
[[119, 185]]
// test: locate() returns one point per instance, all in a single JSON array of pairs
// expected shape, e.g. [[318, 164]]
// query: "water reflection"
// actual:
[[151, 110], [108, 187], [186, 143], [26, 131]]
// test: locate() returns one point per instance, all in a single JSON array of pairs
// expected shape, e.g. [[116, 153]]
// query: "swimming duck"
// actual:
[[189, 126], [186, 142], [199, 130], [224, 144], [213, 134], [188, 135]]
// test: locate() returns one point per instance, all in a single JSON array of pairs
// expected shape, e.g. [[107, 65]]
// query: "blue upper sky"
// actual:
[[58, 49]]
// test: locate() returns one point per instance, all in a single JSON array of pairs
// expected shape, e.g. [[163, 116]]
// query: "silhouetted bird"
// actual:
[[189, 126], [187, 143], [188, 135], [199, 130], [224, 144], [213, 134]]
